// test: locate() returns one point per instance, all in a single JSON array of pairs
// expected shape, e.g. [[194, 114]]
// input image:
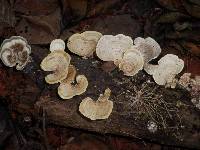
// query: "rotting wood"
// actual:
[[27, 92]]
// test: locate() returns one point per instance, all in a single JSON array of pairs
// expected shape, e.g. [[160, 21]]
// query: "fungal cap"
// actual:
[[15, 51], [111, 48], [100, 109], [58, 62], [66, 90], [132, 62], [173, 62], [148, 47], [168, 67], [150, 69], [83, 44], [57, 44]]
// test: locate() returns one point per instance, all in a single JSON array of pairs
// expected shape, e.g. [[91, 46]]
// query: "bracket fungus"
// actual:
[[57, 44], [15, 51], [148, 47], [132, 62], [57, 62], [67, 90], [112, 48], [83, 44], [100, 109], [164, 73]]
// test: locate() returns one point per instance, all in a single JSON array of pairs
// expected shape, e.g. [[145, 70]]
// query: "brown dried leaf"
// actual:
[[73, 10], [172, 17], [85, 142], [110, 25], [102, 7], [7, 16], [40, 29], [35, 7], [192, 9], [192, 35], [171, 4], [193, 48]]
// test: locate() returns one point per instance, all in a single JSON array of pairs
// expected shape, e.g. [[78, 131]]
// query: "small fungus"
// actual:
[[57, 62], [67, 90], [185, 80], [112, 48], [132, 62], [15, 51], [84, 44], [164, 73], [152, 126], [57, 44], [148, 47], [100, 109]]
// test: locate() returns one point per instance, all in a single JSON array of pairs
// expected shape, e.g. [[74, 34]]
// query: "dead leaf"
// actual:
[[192, 65], [7, 16], [192, 48], [192, 35], [171, 4], [110, 25], [192, 9], [40, 29], [171, 17], [35, 7], [102, 7], [85, 142], [73, 10]]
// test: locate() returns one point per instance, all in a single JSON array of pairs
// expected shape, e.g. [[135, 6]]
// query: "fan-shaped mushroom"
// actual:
[[67, 90], [100, 109], [58, 62], [15, 52], [112, 48], [57, 44], [168, 67], [83, 44], [132, 62], [148, 47]]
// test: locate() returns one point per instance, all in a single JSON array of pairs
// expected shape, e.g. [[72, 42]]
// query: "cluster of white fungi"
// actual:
[[130, 56]]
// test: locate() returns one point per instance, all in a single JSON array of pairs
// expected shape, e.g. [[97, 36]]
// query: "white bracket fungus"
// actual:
[[67, 90], [57, 44], [57, 62], [100, 109], [148, 47], [164, 73], [84, 44], [112, 48], [15, 52], [132, 62]]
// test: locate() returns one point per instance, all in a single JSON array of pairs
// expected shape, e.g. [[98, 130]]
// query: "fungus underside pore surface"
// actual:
[[137, 100]]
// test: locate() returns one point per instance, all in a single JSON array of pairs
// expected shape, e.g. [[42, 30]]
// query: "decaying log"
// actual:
[[177, 119]]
